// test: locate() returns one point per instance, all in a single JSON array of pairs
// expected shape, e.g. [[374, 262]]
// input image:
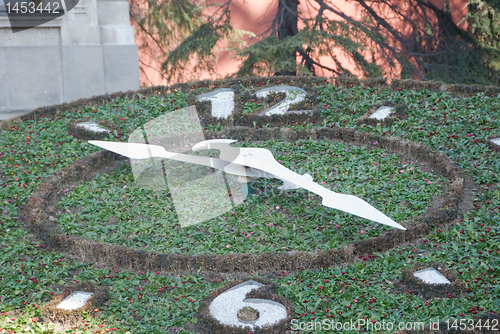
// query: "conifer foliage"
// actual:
[[414, 38]]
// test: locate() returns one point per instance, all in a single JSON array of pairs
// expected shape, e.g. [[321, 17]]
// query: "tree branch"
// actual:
[[224, 12], [382, 22], [148, 33], [159, 72], [309, 62], [145, 75]]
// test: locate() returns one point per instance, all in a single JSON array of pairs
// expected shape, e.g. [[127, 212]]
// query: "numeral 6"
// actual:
[[225, 307]]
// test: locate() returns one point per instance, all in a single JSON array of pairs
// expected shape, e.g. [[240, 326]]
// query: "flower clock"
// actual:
[[257, 194]]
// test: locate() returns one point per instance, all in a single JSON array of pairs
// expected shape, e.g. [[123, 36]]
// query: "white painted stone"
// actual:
[[381, 113], [495, 141], [225, 306], [431, 276], [293, 95], [92, 126], [75, 300], [222, 102]]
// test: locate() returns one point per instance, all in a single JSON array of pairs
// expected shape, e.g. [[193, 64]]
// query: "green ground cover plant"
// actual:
[[371, 288]]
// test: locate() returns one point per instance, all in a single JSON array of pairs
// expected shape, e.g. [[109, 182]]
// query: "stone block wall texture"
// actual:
[[86, 52]]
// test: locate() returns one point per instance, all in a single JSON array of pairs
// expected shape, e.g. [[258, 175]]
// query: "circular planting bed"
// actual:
[[92, 209]]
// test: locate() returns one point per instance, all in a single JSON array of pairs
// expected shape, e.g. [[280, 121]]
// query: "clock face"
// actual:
[[190, 200], [325, 261]]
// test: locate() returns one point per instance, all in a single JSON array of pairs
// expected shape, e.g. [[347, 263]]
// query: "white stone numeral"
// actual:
[[225, 306], [293, 95], [222, 102]]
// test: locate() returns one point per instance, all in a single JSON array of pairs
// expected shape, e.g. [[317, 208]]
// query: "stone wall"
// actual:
[[88, 51]]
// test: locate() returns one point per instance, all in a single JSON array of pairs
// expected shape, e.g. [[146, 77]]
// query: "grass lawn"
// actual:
[[370, 289]]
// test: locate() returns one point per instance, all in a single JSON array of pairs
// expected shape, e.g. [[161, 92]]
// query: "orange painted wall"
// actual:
[[255, 16]]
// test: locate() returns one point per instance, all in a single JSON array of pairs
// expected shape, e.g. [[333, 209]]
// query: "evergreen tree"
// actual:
[[484, 23], [423, 42]]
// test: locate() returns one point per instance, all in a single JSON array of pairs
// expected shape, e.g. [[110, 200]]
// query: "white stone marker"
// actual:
[[495, 141], [222, 102], [75, 300], [293, 95], [225, 306], [381, 113], [431, 276], [92, 126]]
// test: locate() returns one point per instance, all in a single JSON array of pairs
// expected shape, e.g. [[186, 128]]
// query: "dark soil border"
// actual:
[[42, 202]]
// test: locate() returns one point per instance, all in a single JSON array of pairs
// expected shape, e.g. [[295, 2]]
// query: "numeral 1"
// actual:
[[222, 102]]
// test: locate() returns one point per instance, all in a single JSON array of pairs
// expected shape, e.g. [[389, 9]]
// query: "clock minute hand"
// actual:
[[264, 160]]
